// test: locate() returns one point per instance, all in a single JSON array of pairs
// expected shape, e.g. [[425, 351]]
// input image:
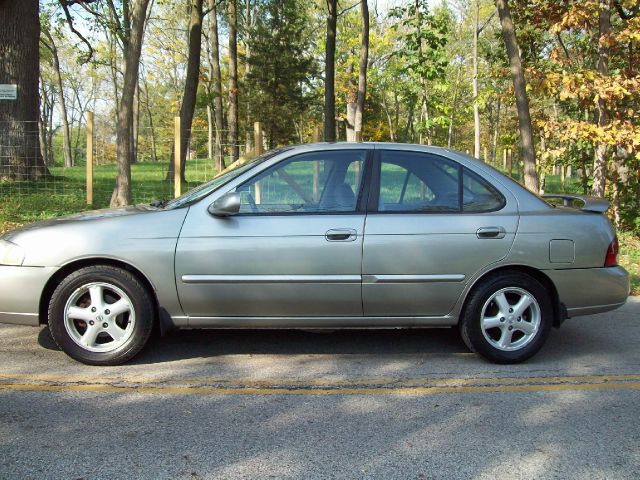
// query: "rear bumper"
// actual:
[[587, 291], [20, 292]]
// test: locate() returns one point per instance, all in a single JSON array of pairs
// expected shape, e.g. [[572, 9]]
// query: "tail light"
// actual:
[[611, 259]]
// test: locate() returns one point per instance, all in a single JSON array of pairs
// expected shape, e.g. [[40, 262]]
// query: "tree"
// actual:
[[126, 28], [279, 83], [476, 111], [49, 43], [329, 72], [190, 85], [233, 80], [20, 157], [362, 70], [214, 61], [133, 32], [600, 161], [520, 89], [422, 38]]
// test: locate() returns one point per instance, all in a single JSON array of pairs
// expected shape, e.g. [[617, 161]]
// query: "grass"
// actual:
[[27, 202], [629, 258], [65, 192]]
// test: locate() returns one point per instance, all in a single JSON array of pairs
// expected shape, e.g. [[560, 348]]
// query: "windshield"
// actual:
[[205, 189]]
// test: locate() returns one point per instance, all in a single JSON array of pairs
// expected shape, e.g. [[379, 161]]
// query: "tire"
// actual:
[[507, 318], [101, 315]]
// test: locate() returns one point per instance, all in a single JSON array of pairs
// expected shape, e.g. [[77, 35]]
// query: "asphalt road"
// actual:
[[377, 404]]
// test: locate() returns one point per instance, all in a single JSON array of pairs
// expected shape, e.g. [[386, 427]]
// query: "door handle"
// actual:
[[491, 232], [341, 235]]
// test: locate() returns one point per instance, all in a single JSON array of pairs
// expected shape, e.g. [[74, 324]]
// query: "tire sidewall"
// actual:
[[471, 325], [122, 279]]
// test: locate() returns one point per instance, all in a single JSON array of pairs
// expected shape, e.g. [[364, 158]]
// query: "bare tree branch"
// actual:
[[348, 8], [65, 6], [486, 22]]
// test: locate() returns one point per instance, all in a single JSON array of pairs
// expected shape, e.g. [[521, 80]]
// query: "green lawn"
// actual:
[[629, 258], [26, 202], [65, 191]]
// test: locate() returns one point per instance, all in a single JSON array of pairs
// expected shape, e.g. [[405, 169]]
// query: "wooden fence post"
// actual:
[[177, 134], [510, 162], [89, 158]]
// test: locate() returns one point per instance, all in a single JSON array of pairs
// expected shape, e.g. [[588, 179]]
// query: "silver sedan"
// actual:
[[357, 235]]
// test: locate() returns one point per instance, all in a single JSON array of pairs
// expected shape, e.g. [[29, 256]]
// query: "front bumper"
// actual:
[[20, 292], [587, 291]]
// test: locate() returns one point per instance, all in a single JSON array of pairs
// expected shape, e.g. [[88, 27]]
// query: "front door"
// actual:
[[433, 224], [294, 249]]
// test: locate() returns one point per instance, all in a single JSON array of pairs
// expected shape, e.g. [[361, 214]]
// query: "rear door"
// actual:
[[431, 225]]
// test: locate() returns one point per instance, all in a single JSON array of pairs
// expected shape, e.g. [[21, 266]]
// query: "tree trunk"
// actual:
[[247, 71], [122, 192], [600, 161], [520, 89], [190, 86], [362, 71], [233, 80], [46, 106], [392, 135], [496, 132], [42, 123], [454, 107], [217, 84], [135, 124], [543, 173], [476, 111], [154, 150], [408, 131], [329, 73], [20, 157], [49, 129], [66, 136], [210, 129], [350, 131]]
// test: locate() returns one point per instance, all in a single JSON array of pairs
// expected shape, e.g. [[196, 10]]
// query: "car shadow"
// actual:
[[210, 343], [45, 340], [185, 344]]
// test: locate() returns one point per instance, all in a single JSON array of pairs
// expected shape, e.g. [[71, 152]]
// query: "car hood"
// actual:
[[121, 233], [90, 215]]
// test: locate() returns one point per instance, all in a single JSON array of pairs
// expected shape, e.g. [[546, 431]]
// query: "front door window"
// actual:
[[319, 182]]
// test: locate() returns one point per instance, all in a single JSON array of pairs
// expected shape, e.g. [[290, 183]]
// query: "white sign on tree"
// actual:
[[8, 92]]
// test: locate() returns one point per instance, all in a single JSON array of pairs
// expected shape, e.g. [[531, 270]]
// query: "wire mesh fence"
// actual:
[[32, 175], [34, 183]]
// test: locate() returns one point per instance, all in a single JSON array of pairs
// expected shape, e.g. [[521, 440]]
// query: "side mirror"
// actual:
[[226, 205]]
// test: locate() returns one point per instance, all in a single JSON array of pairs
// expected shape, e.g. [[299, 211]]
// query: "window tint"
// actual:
[[415, 182], [316, 182], [478, 195], [418, 182]]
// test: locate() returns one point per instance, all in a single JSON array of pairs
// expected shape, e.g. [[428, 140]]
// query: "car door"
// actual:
[[293, 250], [432, 224]]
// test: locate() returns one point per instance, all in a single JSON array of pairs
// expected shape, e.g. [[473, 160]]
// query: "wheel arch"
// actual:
[[67, 269], [559, 311]]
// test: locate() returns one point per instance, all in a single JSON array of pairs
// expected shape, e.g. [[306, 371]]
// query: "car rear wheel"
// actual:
[[507, 317], [101, 315]]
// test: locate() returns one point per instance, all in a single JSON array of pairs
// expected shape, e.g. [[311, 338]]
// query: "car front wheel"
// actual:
[[507, 317], [101, 315]]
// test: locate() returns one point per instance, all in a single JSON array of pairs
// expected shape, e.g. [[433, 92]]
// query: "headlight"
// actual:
[[10, 253]]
